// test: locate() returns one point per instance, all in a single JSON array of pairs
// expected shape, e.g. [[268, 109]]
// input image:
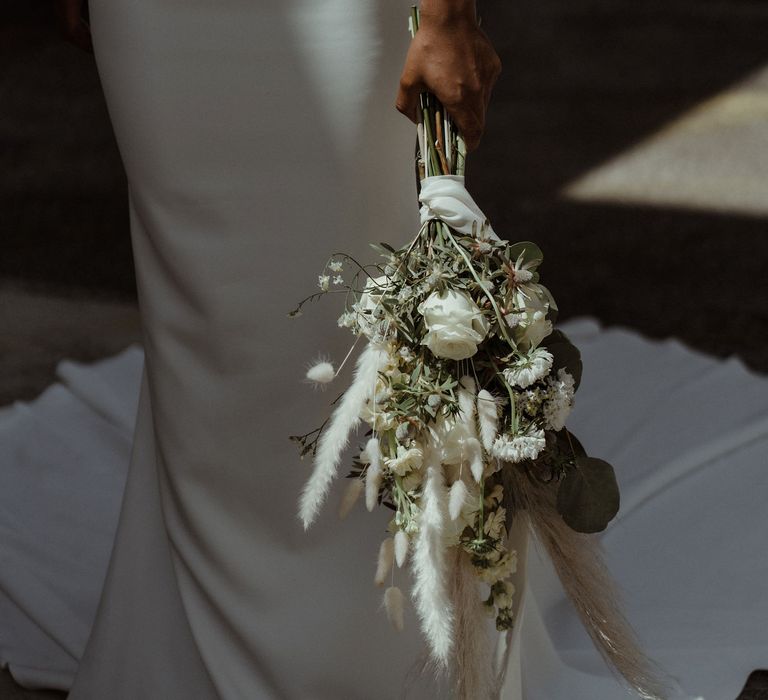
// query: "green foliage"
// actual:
[[588, 496]]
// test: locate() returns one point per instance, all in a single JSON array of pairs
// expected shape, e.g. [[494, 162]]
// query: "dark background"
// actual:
[[583, 81]]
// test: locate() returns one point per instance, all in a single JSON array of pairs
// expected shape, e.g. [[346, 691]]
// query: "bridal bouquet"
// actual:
[[465, 387]]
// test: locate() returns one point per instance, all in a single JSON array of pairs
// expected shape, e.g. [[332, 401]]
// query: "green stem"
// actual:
[[489, 296]]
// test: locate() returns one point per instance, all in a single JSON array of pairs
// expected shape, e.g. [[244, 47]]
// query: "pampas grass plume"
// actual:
[[335, 437], [385, 561], [457, 498], [394, 603], [350, 497], [401, 547]]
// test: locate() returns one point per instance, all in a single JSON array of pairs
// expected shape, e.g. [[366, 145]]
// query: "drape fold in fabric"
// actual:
[[445, 197]]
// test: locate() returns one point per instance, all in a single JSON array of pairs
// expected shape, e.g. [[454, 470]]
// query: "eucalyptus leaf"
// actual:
[[566, 355], [588, 497], [567, 445], [530, 252]]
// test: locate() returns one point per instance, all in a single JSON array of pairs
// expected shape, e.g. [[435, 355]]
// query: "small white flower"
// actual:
[[520, 447], [401, 432], [405, 294], [433, 400], [529, 369], [522, 275], [323, 281], [335, 266], [338, 279], [405, 353], [347, 320], [377, 418], [502, 569], [407, 459], [560, 400], [503, 594]]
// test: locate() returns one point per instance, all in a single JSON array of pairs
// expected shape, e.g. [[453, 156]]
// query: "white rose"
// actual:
[[455, 324]]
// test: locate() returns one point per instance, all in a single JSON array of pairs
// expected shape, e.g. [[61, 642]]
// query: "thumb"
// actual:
[[408, 98]]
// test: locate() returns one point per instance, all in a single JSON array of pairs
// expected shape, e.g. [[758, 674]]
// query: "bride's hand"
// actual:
[[452, 57]]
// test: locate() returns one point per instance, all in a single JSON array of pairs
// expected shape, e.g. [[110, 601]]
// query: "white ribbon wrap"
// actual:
[[444, 197]]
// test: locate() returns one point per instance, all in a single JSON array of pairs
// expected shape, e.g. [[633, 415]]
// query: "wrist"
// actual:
[[447, 11]]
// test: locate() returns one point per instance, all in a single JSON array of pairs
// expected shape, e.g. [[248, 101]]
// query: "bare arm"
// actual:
[[452, 57]]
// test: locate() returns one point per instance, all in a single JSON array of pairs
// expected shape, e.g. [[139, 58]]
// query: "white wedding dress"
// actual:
[[258, 138]]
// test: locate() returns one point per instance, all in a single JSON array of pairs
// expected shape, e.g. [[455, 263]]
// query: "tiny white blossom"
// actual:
[[520, 447], [523, 276], [560, 400], [323, 281], [530, 368], [504, 568], [347, 319], [503, 594], [405, 353], [335, 266], [338, 279], [405, 294]]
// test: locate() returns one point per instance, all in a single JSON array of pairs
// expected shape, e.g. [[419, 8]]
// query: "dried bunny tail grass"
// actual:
[[579, 563], [385, 561], [488, 418], [401, 547], [466, 396], [430, 566], [394, 604], [476, 464], [373, 474], [472, 672], [350, 497], [457, 498], [335, 438]]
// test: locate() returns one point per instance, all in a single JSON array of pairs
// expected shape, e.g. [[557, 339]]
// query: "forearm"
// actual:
[[448, 10]]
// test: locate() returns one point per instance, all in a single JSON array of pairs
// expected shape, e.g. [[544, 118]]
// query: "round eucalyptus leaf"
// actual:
[[569, 445], [588, 497], [566, 355], [530, 252]]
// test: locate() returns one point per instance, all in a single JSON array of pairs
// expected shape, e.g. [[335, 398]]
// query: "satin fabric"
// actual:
[[257, 139]]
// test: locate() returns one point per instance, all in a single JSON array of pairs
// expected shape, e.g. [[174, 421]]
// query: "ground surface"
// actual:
[[582, 82]]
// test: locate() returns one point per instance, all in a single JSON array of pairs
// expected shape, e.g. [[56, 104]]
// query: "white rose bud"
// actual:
[[455, 325]]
